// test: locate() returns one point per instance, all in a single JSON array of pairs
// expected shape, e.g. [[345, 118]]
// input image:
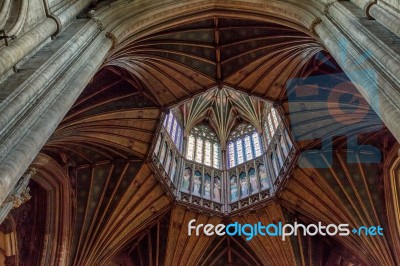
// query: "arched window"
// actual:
[[244, 144], [203, 146], [271, 124], [174, 129]]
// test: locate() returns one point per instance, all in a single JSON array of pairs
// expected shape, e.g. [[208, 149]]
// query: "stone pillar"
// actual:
[[378, 77], [22, 46], [375, 11], [386, 18], [29, 41], [49, 97]]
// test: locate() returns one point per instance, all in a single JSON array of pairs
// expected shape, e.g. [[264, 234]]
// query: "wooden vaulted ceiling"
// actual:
[[120, 210], [177, 63], [102, 145]]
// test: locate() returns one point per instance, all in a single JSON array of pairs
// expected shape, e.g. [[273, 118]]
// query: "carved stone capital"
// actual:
[[96, 19], [368, 7], [315, 22], [327, 6], [113, 39], [18, 199]]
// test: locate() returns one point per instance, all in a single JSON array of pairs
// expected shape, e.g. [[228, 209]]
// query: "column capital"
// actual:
[[367, 8]]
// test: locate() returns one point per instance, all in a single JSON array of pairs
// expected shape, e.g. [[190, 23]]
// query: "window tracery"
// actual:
[[174, 129], [254, 160], [203, 147], [244, 145]]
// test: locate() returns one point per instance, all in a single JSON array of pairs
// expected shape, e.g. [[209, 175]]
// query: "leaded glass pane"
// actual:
[[199, 150], [170, 120], [173, 131], [190, 148], [207, 153], [248, 149], [231, 154], [178, 138], [216, 156], [256, 144], [239, 151]]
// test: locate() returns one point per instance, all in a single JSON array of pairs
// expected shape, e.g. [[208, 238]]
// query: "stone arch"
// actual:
[[60, 207]]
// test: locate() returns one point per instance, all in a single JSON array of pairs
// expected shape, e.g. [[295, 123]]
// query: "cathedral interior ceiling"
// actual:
[[102, 145]]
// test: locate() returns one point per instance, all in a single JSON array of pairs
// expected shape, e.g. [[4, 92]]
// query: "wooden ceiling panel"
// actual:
[[182, 248], [270, 250], [346, 192], [116, 212], [216, 51]]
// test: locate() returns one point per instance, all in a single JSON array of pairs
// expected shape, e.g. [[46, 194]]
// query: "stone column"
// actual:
[[375, 11], [377, 77], [25, 131], [22, 46], [29, 41], [386, 18]]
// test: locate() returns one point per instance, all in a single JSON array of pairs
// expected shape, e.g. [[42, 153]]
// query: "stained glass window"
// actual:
[[239, 151], [207, 153], [190, 148], [256, 144], [178, 138], [169, 124], [216, 155], [203, 146], [231, 154], [174, 130], [248, 148], [244, 145], [199, 150]]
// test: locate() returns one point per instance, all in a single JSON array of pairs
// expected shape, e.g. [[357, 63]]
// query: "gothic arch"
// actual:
[[55, 181]]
